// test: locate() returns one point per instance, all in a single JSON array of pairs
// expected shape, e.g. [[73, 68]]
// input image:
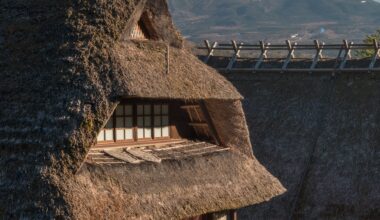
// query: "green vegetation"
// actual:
[[369, 40]]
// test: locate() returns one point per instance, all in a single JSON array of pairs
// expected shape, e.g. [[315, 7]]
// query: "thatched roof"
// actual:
[[171, 190], [63, 69], [318, 134]]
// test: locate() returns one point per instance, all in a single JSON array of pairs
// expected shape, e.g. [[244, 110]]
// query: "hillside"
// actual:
[[276, 20]]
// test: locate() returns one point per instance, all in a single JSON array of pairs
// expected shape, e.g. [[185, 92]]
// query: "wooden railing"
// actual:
[[344, 55]]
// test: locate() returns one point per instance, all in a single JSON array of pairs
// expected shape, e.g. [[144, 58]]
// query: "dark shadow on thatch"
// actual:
[[317, 134]]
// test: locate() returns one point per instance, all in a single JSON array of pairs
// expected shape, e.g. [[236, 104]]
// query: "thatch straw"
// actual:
[[63, 68]]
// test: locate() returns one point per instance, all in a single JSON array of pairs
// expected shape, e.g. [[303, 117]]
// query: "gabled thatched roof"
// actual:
[[63, 68]]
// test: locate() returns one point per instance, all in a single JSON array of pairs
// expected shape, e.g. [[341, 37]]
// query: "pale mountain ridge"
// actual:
[[275, 20]]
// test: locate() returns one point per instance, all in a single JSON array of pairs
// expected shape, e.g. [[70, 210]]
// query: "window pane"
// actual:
[[119, 110], [128, 109], [128, 122], [101, 136], [128, 134], [140, 110], [120, 135], [147, 121], [165, 131], [140, 122], [109, 135], [119, 122], [147, 109], [157, 109], [165, 120], [165, 109], [148, 132], [140, 125], [157, 126], [157, 132], [140, 133], [157, 121]]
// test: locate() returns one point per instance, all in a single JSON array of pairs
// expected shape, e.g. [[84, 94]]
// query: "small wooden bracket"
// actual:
[[210, 49], [290, 54], [237, 48]]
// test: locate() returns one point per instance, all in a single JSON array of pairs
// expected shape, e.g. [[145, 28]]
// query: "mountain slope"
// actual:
[[275, 19]]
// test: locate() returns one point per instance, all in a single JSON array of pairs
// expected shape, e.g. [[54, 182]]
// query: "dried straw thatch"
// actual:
[[319, 135], [63, 67]]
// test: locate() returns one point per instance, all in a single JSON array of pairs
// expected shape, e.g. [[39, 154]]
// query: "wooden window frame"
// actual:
[[135, 127]]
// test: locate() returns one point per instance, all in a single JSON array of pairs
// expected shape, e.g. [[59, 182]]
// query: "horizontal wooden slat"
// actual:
[[198, 124]]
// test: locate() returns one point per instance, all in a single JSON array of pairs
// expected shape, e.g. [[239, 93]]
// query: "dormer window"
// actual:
[[143, 30], [139, 32], [139, 121]]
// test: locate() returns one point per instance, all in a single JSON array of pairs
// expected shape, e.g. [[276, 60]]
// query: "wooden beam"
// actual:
[[198, 124]]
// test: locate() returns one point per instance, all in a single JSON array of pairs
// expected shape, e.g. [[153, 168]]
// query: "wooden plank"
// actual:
[[121, 155], [147, 156], [189, 106], [198, 124], [110, 163], [179, 146]]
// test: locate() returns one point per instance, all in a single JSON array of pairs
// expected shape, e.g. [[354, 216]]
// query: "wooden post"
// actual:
[[318, 54], [210, 49], [237, 49], [290, 55], [264, 50], [375, 55], [347, 55]]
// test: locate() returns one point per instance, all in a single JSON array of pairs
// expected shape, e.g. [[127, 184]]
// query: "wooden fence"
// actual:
[[344, 55]]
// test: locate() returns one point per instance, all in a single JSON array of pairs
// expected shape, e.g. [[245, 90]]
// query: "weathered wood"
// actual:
[[290, 54], [341, 59], [211, 49], [318, 54], [263, 55], [347, 54], [147, 156], [198, 124], [211, 126], [236, 55], [376, 55], [121, 155]]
